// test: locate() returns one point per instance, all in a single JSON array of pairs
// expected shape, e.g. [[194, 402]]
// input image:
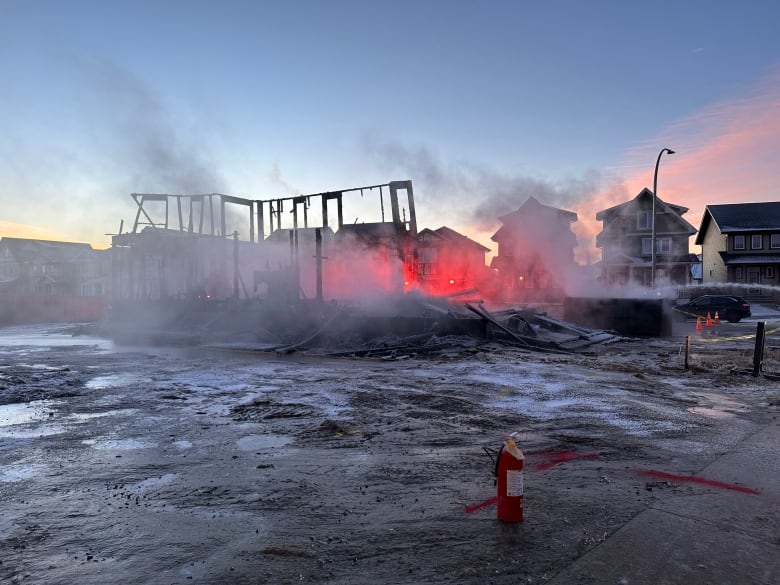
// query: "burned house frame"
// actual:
[[187, 247]]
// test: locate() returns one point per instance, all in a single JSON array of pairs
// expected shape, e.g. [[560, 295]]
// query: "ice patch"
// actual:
[[154, 483], [14, 473], [260, 442]]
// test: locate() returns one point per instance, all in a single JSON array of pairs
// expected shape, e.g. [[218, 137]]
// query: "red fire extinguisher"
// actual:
[[509, 481]]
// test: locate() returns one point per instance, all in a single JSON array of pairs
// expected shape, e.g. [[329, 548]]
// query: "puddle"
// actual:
[[111, 381], [259, 442], [118, 444], [27, 412], [40, 338], [711, 412], [86, 416]]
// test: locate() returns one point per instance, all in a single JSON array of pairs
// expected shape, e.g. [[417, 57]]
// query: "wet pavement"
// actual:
[[148, 465]]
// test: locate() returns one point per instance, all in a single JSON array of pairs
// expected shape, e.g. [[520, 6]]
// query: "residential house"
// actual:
[[740, 243], [449, 261], [45, 281], [626, 242], [535, 252], [48, 268]]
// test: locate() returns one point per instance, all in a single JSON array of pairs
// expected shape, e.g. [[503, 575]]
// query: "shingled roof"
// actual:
[[27, 250], [741, 217]]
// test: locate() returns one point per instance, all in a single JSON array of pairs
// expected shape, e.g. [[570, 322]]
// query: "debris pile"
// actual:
[[396, 327]]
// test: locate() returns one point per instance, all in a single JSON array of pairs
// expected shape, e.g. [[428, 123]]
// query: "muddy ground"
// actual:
[[148, 465]]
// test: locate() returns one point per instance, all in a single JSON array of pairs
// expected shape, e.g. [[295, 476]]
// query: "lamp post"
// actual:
[[652, 220]]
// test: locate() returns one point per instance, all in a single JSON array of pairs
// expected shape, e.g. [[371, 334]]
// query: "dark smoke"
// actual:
[[151, 149], [476, 195]]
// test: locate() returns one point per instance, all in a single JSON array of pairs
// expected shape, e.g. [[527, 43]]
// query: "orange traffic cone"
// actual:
[[717, 319], [709, 320], [698, 323]]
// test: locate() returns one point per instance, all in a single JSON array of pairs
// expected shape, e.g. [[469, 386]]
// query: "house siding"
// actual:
[[713, 267]]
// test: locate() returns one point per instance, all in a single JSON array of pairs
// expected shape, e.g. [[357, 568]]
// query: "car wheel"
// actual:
[[732, 317]]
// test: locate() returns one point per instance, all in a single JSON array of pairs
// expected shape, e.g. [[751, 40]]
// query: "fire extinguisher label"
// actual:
[[514, 482]]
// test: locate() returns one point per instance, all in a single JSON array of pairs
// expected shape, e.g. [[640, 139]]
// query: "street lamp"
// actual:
[[652, 221]]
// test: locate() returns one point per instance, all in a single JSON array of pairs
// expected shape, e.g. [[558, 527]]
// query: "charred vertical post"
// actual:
[[340, 207], [181, 217], [758, 351], [324, 200], [235, 265], [222, 220], [318, 256], [211, 213], [260, 222]]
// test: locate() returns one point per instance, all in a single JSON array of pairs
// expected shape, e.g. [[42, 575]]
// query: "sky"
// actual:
[[481, 104]]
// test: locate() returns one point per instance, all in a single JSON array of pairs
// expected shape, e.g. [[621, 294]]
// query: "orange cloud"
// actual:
[[10, 229]]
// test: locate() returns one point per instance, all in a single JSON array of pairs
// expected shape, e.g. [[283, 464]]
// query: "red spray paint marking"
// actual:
[[553, 458], [702, 480], [485, 504]]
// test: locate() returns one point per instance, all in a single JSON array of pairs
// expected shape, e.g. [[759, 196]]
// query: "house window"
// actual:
[[662, 245], [643, 220], [774, 241], [769, 272], [756, 242], [738, 273], [739, 242], [429, 255]]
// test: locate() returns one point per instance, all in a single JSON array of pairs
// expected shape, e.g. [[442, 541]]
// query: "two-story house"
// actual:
[[626, 242], [448, 260], [48, 268], [535, 251], [740, 243]]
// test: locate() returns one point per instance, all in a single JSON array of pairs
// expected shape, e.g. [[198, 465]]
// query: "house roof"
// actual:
[[534, 214], [750, 258], [620, 208], [612, 214], [26, 250], [533, 207], [451, 235], [740, 217]]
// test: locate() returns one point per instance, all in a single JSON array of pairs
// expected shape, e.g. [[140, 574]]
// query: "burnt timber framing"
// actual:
[[200, 204], [170, 230]]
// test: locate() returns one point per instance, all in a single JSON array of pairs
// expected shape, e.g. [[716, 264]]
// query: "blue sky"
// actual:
[[481, 104]]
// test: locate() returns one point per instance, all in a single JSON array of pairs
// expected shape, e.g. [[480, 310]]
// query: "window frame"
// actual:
[[760, 241], [738, 238], [644, 219]]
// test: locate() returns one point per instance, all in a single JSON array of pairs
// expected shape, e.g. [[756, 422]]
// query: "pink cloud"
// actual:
[[728, 152]]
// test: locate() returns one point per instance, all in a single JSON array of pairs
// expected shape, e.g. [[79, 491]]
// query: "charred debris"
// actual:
[[304, 280]]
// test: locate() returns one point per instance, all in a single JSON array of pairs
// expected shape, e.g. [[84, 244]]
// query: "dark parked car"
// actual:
[[730, 308]]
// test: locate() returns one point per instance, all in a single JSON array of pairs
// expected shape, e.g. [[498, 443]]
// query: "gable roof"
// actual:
[[644, 193], [533, 207], [453, 236], [24, 250], [740, 217]]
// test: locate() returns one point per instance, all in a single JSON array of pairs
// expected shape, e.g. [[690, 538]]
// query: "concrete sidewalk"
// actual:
[[716, 537]]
